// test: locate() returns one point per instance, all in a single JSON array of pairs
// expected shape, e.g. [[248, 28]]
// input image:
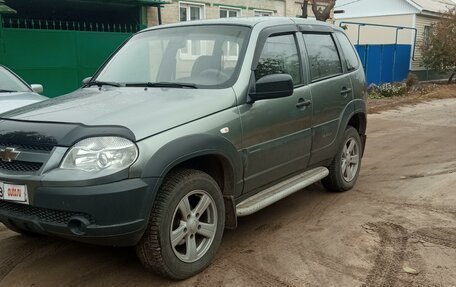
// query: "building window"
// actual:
[[229, 12], [260, 13], [230, 49], [190, 11], [427, 35]]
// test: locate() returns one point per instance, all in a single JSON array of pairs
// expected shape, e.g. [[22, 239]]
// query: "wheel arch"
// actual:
[[214, 155], [359, 122]]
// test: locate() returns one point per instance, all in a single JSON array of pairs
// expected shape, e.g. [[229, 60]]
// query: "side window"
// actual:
[[324, 58], [280, 56], [349, 52]]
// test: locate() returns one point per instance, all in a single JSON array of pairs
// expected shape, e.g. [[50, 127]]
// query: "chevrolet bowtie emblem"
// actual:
[[8, 154]]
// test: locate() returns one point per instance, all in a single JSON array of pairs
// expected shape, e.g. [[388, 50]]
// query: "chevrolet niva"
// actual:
[[185, 128]]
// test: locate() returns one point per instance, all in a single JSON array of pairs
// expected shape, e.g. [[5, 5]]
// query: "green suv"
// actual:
[[185, 128]]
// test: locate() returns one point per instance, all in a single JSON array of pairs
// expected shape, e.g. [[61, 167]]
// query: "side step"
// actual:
[[280, 191]]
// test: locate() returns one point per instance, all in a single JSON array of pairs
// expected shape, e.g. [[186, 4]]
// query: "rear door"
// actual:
[[277, 132], [331, 92]]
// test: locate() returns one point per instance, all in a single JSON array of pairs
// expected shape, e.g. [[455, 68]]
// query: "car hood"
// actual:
[[144, 111], [11, 101]]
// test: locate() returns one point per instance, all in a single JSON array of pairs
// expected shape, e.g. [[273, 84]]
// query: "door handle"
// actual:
[[345, 91], [303, 103]]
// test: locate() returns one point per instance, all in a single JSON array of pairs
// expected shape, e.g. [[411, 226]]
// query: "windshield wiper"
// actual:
[[162, 85], [7, 91], [101, 84]]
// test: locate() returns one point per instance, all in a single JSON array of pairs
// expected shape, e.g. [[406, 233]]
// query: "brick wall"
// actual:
[[211, 9]]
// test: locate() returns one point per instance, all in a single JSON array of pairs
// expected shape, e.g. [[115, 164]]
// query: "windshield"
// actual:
[[203, 56], [10, 83]]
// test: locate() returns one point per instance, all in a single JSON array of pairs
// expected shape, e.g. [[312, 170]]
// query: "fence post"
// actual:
[[2, 46], [143, 17], [1, 43]]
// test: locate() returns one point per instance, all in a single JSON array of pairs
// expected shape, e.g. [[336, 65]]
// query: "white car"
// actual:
[[15, 92]]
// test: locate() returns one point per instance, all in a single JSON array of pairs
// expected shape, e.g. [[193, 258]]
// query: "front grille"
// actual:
[[44, 215], [27, 147], [20, 166]]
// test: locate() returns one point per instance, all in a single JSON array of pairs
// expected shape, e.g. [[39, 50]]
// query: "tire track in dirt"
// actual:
[[260, 276], [336, 264], [437, 235], [389, 259], [256, 276], [420, 207], [20, 252], [103, 269]]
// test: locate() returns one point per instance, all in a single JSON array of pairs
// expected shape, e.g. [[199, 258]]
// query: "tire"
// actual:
[[341, 179], [176, 210]]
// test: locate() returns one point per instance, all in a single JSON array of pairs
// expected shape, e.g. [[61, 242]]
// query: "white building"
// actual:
[[186, 10], [418, 14]]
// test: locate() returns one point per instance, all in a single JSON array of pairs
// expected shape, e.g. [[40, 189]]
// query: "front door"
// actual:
[[277, 132]]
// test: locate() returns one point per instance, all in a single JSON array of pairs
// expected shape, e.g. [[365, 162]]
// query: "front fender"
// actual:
[[185, 148]]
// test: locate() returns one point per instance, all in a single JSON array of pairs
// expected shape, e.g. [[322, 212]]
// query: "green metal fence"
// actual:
[[58, 54], [40, 24]]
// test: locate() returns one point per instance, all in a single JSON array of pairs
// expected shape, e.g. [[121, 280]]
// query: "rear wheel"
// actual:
[[345, 167], [185, 227]]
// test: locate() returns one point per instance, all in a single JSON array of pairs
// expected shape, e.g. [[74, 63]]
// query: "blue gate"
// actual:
[[385, 63]]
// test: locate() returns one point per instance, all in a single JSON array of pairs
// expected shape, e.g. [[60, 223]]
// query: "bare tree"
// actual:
[[305, 11], [320, 14]]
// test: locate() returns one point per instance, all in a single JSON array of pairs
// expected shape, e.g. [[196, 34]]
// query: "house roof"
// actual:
[[436, 6], [370, 8]]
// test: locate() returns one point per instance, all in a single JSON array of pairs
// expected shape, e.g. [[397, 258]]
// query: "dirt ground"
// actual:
[[400, 216]]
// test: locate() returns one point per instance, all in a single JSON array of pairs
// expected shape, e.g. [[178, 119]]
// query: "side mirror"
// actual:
[[37, 88], [273, 87], [86, 81]]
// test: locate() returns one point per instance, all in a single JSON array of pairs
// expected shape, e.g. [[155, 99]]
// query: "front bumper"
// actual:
[[113, 214]]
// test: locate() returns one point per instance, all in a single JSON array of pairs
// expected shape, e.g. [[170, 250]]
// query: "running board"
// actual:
[[280, 191]]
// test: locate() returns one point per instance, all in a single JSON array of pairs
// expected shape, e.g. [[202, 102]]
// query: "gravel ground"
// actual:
[[400, 219]]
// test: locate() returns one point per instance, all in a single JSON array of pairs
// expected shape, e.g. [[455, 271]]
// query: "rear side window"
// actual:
[[323, 56], [349, 52], [280, 56]]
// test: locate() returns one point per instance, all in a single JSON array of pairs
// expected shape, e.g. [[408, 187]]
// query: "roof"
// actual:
[[433, 5], [247, 21], [370, 8]]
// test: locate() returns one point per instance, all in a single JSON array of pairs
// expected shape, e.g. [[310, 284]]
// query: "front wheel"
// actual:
[[345, 167], [185, 227]]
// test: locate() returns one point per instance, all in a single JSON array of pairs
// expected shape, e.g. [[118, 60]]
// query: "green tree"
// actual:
[[438, 49]]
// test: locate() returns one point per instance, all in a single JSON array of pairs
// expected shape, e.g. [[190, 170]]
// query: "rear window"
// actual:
[[349, 52], [323, 56]]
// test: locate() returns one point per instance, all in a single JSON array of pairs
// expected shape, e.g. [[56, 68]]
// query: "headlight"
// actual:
[[100, 153]]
